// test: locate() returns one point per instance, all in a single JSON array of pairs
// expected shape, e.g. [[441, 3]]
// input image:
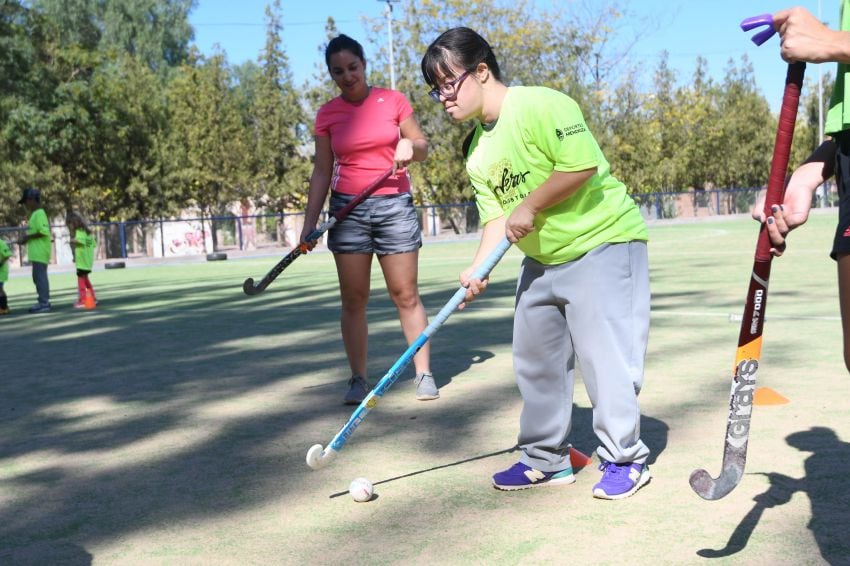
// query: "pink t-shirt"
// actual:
[[363, 138]]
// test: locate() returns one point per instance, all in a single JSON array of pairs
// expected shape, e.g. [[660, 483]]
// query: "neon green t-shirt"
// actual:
[[38, 249], [539, 131], [838, 115], [84, 252], [5, 254]]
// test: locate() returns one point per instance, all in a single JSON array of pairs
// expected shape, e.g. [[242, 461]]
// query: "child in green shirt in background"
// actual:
[[38, 244], [82, 247], [5, 254]]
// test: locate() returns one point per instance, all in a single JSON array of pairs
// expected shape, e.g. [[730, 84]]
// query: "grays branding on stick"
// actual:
[[752, 323], [251, 289], [318, 457]]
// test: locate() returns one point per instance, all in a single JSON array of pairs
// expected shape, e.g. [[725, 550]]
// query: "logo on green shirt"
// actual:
[[505, 183], [569, 131]]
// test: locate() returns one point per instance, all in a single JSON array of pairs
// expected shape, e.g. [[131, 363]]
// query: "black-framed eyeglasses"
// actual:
[[448, 90]]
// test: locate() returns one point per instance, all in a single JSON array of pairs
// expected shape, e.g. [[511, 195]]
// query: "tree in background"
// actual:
[[84, 120], [322, 88], [22, 60], [104, 107], [155, 32], [208, 146], [630, 137], [697, 161], [278, 127], [667, 128], [809, 114], [748, 131]]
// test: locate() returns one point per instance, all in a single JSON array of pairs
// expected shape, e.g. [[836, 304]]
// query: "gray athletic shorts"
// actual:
[[384, 224]]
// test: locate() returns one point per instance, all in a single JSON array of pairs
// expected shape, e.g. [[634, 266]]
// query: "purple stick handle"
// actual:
[[757, 21]]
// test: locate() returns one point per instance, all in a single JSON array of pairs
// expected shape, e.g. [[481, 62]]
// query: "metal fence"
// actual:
[[694, 204], [198, 236]]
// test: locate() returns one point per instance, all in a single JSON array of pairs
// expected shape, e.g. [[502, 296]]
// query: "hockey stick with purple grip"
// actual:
[[752, 324]]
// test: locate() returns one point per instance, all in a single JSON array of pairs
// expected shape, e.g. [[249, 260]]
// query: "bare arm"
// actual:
[[320, 182], [34, 236], [805, 38], [491, 235], [557, 188]]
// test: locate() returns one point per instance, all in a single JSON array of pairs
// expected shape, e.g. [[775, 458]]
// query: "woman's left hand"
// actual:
[[403, 154]]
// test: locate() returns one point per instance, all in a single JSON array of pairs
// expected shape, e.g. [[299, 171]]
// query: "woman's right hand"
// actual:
[[306, 231], [805, 38], [778, 225], [794, 209]]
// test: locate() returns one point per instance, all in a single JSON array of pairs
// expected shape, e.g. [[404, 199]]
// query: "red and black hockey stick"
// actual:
[[752, 324], [251, 289]]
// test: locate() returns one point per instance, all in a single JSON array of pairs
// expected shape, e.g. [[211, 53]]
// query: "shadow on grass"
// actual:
[[165, 352], [827, 486], [116, 421], [435, 468], [63, 553]]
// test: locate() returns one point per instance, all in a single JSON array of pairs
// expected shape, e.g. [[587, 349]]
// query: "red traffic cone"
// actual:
[[88, 301], [579, 460]]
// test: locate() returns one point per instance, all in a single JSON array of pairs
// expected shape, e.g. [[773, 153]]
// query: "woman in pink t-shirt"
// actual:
[[359, 135]]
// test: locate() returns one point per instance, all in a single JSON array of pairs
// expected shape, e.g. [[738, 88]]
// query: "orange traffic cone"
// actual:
[[579, 460], [88, 301], [767, 396]]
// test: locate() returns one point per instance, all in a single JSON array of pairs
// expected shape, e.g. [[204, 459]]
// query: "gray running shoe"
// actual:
[[426, 389], [358, 388], [39, 308]]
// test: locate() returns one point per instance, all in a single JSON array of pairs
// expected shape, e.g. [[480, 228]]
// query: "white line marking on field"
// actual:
[[473, 308], [691, 314], [733, 317]]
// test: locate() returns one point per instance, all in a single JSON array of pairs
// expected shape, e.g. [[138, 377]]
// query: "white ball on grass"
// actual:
[[360, 490]]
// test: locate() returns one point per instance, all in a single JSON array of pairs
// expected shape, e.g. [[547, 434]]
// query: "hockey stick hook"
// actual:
[[318, 457]]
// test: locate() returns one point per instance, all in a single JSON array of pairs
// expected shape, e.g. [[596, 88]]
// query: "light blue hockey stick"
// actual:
[[318, 457]]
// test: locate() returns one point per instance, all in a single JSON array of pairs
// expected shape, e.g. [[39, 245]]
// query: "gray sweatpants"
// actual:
[[594, 310]]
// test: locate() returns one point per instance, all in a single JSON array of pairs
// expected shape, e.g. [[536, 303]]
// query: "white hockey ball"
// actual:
[[360, 490]]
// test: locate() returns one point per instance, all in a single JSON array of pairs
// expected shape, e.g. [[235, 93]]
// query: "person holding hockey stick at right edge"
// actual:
[[805, 38], [359, 134], [583, 290]]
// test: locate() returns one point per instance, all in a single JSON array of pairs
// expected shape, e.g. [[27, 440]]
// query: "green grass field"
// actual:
[[170, 425]]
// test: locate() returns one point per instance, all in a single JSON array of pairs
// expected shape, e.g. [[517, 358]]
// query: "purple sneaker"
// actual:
[[520, 476], [620, 480]]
